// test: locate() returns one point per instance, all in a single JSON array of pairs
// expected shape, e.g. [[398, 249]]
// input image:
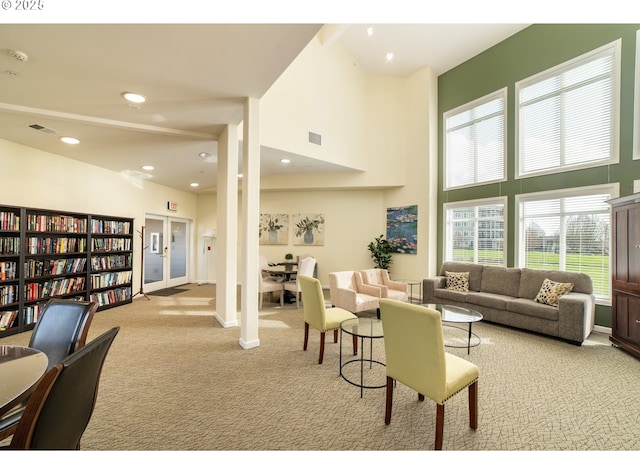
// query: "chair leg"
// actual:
[[260, 304], [321, 348], [297, 299], [355, 345], [306, 336], [378, 312], [282, 298], [420, 397], [335, 335], [439, 426], [473, 405], [389, 401]]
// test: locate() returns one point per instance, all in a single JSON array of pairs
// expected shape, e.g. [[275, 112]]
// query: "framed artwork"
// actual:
[[274, 228], [402, 229], [308, 229], [155, 243]]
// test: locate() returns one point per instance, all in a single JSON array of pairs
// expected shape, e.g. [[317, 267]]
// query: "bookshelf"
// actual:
[[46, 253]]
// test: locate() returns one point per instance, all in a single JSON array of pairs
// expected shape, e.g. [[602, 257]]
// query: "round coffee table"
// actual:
[[455, 314]]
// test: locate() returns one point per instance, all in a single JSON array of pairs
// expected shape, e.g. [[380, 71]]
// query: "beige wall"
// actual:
[[44, 180]]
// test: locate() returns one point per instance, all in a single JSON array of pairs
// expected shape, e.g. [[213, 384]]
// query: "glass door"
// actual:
[[166, 252]]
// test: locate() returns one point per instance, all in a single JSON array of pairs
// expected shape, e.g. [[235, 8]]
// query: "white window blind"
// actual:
[[474, 232], [475, 142], [567, 231], [567, 115]]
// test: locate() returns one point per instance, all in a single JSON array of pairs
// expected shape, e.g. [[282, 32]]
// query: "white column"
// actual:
[[227, 236], [250, 215]]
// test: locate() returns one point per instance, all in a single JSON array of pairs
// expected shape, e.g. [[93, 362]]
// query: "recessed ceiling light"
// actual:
[[69, 140], [285, 161], [133, 97], [148, 167], [389, 56], [204, 154], [194, 184], [370, 31]]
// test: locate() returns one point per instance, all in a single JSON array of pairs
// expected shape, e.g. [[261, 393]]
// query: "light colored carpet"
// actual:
[[175, 379]]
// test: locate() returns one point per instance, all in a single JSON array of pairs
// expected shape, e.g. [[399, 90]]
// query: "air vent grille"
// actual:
[[42, 128], [315, 138]]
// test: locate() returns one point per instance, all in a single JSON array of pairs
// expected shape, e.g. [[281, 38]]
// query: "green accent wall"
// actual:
[[533, 50]]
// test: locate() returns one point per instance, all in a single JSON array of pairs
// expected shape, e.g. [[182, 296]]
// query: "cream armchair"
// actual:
[[391, 289], [348, 291]]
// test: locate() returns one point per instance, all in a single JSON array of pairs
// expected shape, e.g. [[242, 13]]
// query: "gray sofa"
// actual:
[[506, 296]]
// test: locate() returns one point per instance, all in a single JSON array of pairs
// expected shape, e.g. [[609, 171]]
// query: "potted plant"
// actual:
[[288, 258], [380, 250], [306, 227]]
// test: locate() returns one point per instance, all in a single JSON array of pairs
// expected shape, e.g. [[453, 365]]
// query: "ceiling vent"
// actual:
[[315, 138], [41, 128]]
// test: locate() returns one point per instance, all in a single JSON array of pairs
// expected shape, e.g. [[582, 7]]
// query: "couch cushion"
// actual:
[[474, 270], [500, 280], [457, 281], [551, 291], [449, 295], [491, 300], [531, 308], [531, 281]]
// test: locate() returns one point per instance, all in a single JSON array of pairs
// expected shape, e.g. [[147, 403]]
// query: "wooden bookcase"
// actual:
[[46, 253], [625, 283]]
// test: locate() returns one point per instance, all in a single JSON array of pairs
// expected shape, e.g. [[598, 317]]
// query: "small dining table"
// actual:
[[20, 369]]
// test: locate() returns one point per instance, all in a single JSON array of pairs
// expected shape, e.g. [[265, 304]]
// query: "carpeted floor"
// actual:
[[175, 379]]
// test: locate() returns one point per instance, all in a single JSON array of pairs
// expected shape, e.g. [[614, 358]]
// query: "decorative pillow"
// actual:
[[457, 281], [551, 291]]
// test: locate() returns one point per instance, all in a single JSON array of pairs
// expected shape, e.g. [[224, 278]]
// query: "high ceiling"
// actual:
[[195, 78]]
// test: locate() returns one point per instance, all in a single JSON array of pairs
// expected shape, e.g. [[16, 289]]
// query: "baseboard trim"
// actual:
[[602, 329]]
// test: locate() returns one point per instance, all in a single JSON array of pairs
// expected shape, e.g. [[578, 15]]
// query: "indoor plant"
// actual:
[[380, 250]]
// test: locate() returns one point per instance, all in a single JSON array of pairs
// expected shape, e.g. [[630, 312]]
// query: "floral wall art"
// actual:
[[274, 228], [308, 229], [402, 229]]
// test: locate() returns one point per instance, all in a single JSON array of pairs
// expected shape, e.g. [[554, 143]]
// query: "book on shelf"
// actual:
[[7, 318]]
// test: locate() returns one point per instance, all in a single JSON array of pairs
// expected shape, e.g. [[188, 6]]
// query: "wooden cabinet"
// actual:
[[625, 283], [45, 254]]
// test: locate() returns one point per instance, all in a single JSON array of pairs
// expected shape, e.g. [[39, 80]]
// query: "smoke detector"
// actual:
[[18, 55]]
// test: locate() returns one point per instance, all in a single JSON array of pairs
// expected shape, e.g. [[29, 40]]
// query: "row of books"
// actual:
[[8, 269], [111, 244], [55, 245], [32, 313], [7, 318], [114, 227], [9, 221], [39, 268], [111, 296], [99, 263], [8, 294], [56, 287], [9, 245], [56, 223], [110, 279]]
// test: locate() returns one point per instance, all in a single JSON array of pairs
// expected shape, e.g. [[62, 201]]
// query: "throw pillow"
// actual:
[[551, 291], [457, 281]]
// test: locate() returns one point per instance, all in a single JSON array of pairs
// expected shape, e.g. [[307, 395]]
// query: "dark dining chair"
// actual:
[[61, 406], [61, 330]]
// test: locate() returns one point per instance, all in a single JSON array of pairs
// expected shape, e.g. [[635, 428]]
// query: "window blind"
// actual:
[[566, 116], [474, 146]]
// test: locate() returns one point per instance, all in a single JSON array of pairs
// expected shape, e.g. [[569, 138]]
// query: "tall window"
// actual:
[[567, 116], [567, 230], [474, 231], [475, 142]]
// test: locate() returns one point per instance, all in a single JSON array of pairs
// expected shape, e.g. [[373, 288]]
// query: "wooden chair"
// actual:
[[415, 357], [306, 267], [60, 408], [318, 316]]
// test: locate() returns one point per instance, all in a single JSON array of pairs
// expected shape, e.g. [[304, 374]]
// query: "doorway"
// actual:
[[166, 252]]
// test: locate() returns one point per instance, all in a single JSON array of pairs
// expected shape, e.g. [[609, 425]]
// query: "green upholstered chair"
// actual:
[[318, 316], [415, 357]]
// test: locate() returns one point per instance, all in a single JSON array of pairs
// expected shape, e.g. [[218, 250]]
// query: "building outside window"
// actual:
[[568, 230], [475, 231]]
